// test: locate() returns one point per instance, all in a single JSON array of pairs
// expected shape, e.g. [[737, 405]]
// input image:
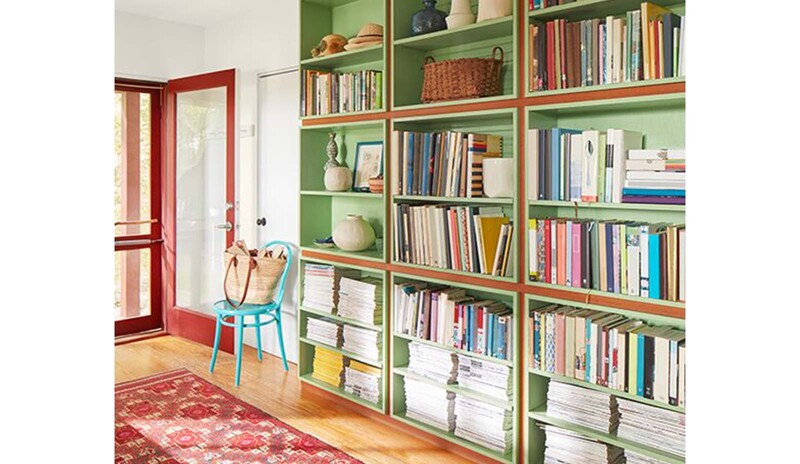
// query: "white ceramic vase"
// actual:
[[490, 9], [353, 234], [498, 177], [338, 179], [460, 14]]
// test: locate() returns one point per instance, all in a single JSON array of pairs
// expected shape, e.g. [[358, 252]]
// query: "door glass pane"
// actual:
[[200, 197], [132, 283], [132, 162]]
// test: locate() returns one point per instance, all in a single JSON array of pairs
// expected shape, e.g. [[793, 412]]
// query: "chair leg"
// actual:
[[217, 334], [279, 326], [240, 336], [258, 336]]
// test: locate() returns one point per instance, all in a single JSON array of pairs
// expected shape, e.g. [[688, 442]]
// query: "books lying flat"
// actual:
[[363, 381], [582, 406], [566, 447], [430, 404], [484, 424], [324, 331], [432, 363], [363, 342], [632, 457], [651, 426], [461, 238], [625, 257], [327, 366], [361, 299], [450, 317], [321, 285], [485, 377]]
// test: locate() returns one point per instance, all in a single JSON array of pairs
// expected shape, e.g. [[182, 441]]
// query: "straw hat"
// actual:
[[370, 34]]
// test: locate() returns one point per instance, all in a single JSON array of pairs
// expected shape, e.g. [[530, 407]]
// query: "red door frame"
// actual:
[[186, 322], [153, 240]]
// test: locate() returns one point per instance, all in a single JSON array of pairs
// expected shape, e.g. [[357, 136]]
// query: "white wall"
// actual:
[[266, 39], [155, 49]]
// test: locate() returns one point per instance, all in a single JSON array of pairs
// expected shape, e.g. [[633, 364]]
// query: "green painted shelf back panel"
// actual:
[[320, 18]]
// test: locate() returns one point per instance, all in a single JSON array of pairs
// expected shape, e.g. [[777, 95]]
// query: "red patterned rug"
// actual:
[[179, 418]]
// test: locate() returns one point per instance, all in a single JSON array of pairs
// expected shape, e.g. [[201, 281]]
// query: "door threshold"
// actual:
[[123, 339]]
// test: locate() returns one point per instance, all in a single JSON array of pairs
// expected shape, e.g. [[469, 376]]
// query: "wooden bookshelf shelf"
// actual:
[[476, 32], [591, 386], [347, 58], [410, 338], [343, 320], [350, 355], [653, 107], [540, 415]]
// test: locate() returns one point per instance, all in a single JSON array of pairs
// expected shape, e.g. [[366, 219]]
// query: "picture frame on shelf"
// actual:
[[368, 164]]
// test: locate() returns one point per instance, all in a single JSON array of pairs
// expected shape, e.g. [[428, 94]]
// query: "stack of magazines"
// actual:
[[324, 331], [485, 424], [361, 300], [485, 377], [581, 406], [566, 447], [430, 404], [320, 285], [659, 428], [432, 363], [327, 366], [363, 342], [363, 380], [632, 457]]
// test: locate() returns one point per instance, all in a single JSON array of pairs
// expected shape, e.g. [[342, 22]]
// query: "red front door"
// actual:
[[200, 219], [138, 222]]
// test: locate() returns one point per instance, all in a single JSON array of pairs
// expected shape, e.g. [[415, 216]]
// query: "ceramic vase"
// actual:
[[490, 9], [338, 179], [498, 177], [332, 150], [460, 14], [428, 19], [353, 234]]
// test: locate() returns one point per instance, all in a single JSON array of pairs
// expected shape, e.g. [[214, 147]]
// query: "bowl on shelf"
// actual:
[[326, 242]]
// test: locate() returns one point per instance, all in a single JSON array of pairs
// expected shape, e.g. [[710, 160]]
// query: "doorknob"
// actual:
[[226, 226]]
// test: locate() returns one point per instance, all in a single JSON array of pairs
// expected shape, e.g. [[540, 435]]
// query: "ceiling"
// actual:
[[196, 12]]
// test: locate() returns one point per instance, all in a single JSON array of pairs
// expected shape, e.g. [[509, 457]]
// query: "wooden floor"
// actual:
[[266, 386]]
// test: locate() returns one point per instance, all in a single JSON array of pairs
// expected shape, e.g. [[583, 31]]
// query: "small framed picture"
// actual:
[[369, 163]]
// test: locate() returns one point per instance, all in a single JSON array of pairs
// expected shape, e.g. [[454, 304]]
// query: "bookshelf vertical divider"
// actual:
[[655, 108]]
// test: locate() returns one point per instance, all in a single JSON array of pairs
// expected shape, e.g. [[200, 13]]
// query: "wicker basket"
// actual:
[[462, 78]]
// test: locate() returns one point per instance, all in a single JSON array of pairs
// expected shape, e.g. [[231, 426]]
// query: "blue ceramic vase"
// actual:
[[428, 19]]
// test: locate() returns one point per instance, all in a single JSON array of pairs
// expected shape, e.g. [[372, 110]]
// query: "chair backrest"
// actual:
[[282, 284]]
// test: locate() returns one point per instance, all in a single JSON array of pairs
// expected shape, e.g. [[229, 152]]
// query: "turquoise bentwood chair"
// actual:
[[270, 311]]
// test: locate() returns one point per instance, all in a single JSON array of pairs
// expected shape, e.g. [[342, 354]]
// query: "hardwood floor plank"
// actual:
[[265, 385]]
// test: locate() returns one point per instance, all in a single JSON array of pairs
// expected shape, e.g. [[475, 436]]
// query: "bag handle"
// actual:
[[502, 53], [428, 60], [235, 262]]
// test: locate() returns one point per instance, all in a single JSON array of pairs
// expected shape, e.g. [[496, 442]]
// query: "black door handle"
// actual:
[[261, 221]]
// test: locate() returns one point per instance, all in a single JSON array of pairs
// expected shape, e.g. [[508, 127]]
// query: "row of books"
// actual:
[[450, 317], [329, 93], [359, 341], [468, 418], [446, 164], [462, 238], [610, 350], [630, 258], [645, 44]]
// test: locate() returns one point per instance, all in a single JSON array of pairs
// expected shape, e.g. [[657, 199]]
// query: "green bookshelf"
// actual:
[[472, 41], [400, 359], [305, 364], [654, 107]]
